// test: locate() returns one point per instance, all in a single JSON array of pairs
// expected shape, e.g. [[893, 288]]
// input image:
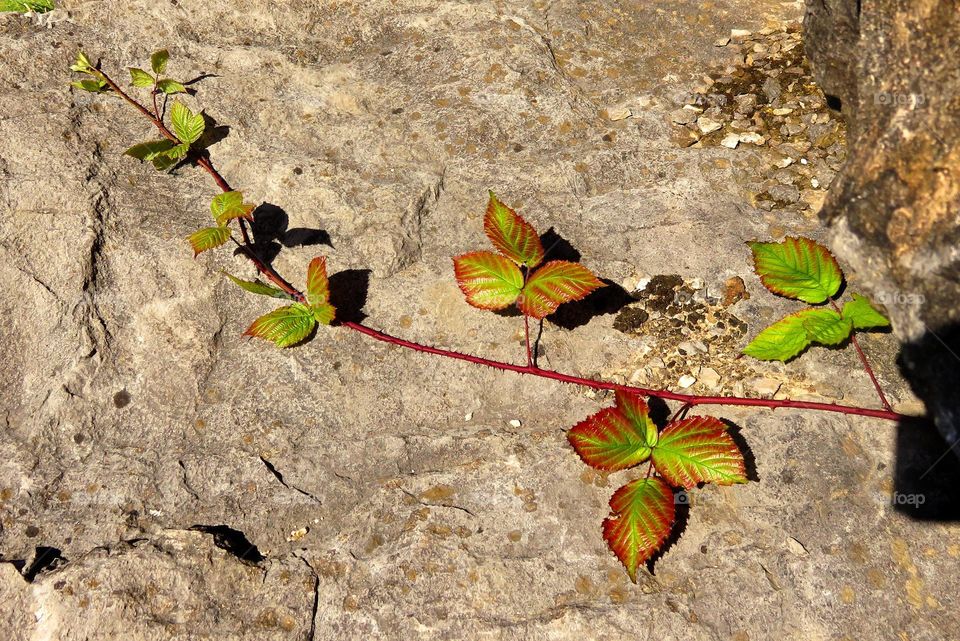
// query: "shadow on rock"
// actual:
[[270, 233], [348, 293], [926, 478], [927, 475]]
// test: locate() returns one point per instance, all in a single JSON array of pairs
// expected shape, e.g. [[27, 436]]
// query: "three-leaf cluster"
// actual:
[[801, 269], [685, 453], [496, 281], [291, 324]]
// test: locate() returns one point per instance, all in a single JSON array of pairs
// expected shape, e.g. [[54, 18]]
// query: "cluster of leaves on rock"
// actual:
[[801, 269], [496, 281], [685, 453]]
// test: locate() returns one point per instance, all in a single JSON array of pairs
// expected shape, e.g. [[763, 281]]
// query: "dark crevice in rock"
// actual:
[[233, 542], [316, 599], [279, 476], [45, 559]]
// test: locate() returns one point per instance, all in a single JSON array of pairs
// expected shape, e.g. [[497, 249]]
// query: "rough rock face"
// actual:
[[163, 478], [895, 208]]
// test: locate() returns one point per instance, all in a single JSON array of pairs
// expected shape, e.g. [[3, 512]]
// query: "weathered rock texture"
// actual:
[[894, 211], [163, 478]]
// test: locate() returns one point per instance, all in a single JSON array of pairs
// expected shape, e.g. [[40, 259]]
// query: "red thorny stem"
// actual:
[[689, 400]]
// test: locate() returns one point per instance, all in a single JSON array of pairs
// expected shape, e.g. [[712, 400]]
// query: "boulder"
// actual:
[[892, 69]]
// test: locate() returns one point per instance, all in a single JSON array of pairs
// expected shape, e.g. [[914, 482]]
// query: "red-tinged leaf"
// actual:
[[555, 283], [643, 516], [208, 238], [797, 268], [487, 280], [615, 438], [698, 450], [318, 287], [285, 326], [513, 236]]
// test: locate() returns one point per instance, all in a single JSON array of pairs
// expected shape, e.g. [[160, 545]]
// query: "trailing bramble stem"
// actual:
[[685, 453], [688, 399]]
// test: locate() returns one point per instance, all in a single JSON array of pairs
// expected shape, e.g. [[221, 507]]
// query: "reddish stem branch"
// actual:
[[865, 362], [689, 400], [526, 330]]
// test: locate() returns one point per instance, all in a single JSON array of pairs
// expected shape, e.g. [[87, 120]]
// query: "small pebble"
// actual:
[[739, 33], [765, 386], [468, 416], [683, 116], [515, 423], [730, 141], [709, 377], [686, 381], [753, 138], [298, 534], [721, 42], [618, 113], [707, 125]]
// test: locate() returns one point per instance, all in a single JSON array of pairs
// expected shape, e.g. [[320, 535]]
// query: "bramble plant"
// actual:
[[685, 453], [801, 269]]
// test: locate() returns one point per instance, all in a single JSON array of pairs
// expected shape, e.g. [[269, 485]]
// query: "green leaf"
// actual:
[[229, 205], [643, 514], [208, 238], [38, 6], [256, 287], [862, 314], [555, 283], [698, 450], [797, 268], [487, 280], [150, 149], [140, 78], [91, 84], [158, 61], [781, 341], [177, 152], [324, 313], [163, 162], [513, 236], [285, 326], [187, 125], [82, 64], [826, 327], [615, 438], [170, 86]]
